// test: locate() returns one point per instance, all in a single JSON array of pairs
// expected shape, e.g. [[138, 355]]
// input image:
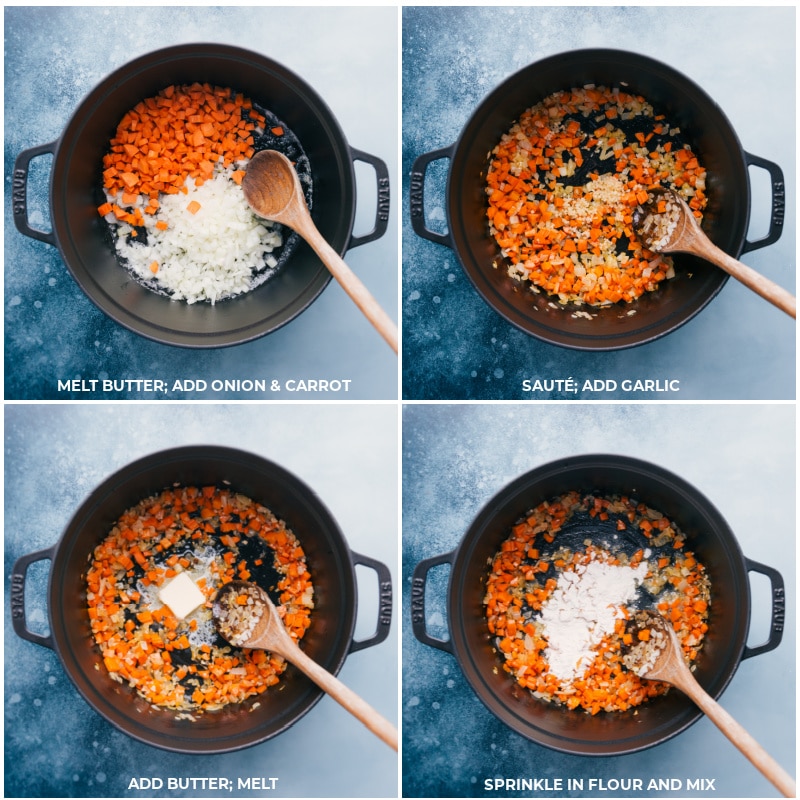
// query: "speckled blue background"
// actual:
[[455, 345], [56, 454], [54, 57], [457, 457]]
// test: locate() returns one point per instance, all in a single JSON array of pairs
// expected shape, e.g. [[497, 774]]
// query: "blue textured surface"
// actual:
[[53, 58], [457, 457], [55, 744], [455, 345]]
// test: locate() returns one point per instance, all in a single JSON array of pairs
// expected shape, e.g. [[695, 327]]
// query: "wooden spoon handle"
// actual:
[[343, 695], [757, 755], [350, 283], [776, 295]]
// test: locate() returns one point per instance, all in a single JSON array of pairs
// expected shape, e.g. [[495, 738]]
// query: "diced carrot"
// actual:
[[112, 663], [182, 132]]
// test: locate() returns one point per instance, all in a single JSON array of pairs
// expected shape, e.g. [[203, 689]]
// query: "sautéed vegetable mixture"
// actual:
[[213, 536], [171, 178], [562, 185], [563, 593]]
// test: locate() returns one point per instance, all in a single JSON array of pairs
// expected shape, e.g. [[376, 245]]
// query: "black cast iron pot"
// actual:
[[76, 191], [576, 732], [703, 124], [328, 641]]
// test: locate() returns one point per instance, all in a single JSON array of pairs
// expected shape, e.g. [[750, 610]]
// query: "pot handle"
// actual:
[[417, 195], [382, 210], [384, 602], [18, 577], [778, 202], [778, 616], [418, 584], [19, 193]]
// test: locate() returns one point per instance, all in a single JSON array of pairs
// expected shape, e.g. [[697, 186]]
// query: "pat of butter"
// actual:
[[181, 595]]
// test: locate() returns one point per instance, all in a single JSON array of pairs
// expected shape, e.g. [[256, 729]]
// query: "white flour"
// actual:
[[582, 610]]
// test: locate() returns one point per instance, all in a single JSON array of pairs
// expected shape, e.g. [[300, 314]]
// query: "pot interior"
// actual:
[[577, 732], [702, 123], [76, 191], [327, 640]]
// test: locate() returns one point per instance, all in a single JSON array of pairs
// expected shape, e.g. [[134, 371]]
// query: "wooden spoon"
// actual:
[[661, 659], [272, 188], [257, 625], [667, 225]]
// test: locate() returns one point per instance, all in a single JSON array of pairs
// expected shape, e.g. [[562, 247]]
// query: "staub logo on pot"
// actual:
[[17, 596], [418, 600], [383, 200], [18, 194], [386, 603], [417, 183], [778, 608], [778, 203]]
